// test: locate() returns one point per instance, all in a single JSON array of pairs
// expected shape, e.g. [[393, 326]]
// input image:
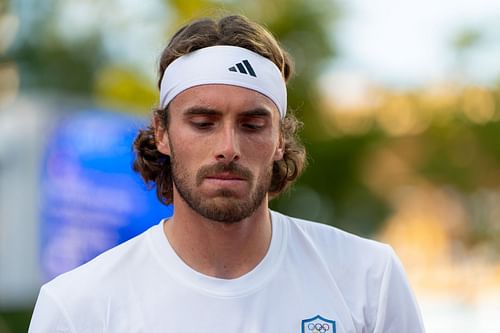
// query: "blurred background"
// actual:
[[401, 105]]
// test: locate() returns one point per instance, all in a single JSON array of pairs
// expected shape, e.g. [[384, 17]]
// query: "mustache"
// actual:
[[232, 168]]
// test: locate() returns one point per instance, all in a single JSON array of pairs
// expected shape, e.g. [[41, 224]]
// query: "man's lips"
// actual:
[[225, 175]]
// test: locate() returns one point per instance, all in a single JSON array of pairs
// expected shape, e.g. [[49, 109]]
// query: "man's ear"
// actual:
[[161, 137], [280, 150]]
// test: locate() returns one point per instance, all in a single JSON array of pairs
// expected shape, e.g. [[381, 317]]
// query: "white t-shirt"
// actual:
[[314, 278]]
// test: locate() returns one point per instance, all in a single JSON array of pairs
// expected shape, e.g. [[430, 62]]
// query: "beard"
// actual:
[[225, 207]]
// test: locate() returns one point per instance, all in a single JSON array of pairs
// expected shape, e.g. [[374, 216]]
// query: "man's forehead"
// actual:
[[221, 98]]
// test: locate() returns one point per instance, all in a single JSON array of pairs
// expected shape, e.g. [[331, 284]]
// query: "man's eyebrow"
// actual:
[[257, 112], [199, 110]]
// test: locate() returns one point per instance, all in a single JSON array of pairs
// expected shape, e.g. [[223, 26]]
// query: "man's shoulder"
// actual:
[[328, 234], [337, 245], [353, 263]]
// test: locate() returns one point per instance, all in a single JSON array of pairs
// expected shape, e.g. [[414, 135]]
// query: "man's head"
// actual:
[[221, 148]]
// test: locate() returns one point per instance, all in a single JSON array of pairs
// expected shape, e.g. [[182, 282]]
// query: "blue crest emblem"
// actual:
[[318, 324]]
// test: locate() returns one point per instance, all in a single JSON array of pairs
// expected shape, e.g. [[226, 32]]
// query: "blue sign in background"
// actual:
[[91, 199]]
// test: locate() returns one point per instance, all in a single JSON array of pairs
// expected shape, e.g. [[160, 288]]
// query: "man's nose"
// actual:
[[228, 148]]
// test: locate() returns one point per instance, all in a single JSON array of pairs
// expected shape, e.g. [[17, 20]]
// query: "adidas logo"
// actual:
[[243, 67]]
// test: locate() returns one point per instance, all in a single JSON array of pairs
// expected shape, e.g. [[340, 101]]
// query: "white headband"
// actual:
[[223, 64]]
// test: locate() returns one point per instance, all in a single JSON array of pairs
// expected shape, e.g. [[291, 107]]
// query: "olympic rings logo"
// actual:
[[318, 328]]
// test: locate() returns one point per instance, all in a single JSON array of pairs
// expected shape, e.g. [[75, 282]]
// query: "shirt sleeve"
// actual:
[[49, 315], [397, 308]]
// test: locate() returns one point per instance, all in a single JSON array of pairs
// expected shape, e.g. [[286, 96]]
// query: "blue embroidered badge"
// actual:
[[318, 324]]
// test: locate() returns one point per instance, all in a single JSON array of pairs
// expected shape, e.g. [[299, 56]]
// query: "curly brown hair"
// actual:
[[153, 166]]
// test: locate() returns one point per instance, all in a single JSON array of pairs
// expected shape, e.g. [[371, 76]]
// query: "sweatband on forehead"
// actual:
[[224, 64]]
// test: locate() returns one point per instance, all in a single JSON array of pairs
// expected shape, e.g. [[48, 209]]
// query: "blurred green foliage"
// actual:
[[46, 61], [15, 321]]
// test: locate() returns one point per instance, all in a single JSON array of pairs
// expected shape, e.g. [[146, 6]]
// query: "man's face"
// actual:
[[222, 141]]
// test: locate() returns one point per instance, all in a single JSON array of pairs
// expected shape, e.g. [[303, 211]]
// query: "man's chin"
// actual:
[[224, 215], [225, 209]]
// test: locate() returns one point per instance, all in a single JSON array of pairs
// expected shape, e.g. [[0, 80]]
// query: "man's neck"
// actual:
[[223, 250]]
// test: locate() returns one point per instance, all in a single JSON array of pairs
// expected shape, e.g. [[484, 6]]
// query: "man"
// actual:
[[219, 147]]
